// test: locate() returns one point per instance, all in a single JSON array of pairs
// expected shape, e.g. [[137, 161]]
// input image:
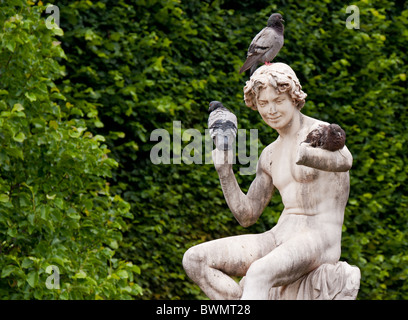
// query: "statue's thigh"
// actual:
[[291, 260], [234, 255]]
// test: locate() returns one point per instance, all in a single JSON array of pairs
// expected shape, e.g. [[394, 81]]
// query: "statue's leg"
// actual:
[[211, 263], [284, 265]]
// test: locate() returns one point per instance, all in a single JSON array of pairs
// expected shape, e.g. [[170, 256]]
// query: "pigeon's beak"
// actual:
[[282, 20]]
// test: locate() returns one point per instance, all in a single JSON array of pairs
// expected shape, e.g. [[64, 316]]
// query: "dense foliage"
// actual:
[[55, 205], [134, 66]]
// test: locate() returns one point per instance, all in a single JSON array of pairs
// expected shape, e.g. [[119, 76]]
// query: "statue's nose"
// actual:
[[272, 108]]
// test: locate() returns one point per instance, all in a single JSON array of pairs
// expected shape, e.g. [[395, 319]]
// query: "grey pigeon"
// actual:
[[223, 125], [331, 137], [266, 44]]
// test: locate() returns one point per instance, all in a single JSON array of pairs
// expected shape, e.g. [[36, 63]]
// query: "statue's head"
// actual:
[[278, 75]]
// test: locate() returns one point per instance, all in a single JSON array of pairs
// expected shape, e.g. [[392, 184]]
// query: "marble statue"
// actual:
[[299, 257]]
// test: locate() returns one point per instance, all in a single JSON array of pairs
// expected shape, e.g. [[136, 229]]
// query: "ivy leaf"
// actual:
[[20, 137], [32, 278], [122, 274], [58, 31], [11, 45], [4, 198], [80, 275], [31, 96], [7, 270], [17, 108]]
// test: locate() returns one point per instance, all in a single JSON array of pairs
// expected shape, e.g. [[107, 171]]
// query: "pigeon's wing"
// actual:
[[220, 120], [211, 119], [314, 138], [265, 40]]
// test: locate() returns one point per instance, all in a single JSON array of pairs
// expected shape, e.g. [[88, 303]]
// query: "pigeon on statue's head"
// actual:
[[223, 125], [266, 44], [331, 137]]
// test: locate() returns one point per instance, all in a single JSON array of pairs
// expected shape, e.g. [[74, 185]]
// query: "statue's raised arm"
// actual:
[[246, 208]]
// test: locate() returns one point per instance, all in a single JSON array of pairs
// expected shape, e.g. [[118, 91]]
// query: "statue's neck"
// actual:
[[293, 127]]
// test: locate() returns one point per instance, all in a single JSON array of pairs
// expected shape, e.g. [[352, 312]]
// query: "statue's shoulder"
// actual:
[[312, 123], [267, 154], [270, 148]]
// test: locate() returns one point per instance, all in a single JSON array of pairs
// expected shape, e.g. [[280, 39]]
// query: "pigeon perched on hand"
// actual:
[[331, 137], [266, 44], [223, 125]]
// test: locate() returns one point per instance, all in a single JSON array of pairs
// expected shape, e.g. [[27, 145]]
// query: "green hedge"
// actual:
[[56, 208]]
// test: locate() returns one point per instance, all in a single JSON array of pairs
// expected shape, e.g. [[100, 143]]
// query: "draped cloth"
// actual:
[[328, 282]]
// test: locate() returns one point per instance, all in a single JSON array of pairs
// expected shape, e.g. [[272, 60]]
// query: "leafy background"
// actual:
[[78, 104]]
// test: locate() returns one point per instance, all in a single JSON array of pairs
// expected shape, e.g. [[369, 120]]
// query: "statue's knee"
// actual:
[[192, 259]]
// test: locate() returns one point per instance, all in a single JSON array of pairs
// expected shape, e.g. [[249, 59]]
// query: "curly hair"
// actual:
[[281, 77]]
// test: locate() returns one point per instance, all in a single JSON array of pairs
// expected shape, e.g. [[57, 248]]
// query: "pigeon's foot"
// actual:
[[267, 63]]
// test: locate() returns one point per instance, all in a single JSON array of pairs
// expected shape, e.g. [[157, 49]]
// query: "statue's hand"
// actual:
[[321, 159], [302, 153], [223, 161]]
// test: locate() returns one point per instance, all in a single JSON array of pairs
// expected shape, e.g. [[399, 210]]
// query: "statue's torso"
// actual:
[[314, 200]]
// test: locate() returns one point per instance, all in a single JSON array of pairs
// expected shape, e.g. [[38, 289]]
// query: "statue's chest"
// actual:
[[285, 170]]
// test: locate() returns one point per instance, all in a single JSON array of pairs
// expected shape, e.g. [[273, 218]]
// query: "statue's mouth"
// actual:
[[273, 118]]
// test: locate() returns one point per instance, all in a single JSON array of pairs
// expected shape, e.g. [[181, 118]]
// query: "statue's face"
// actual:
[[277, 109]]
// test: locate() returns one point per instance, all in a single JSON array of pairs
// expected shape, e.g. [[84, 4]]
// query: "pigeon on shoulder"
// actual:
[[223, 125], [331, 137], [266, 44]]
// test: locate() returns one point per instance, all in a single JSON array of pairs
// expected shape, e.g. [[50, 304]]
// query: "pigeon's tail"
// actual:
[[226, 144], [253, 68], [250, 62], [223, 141]]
